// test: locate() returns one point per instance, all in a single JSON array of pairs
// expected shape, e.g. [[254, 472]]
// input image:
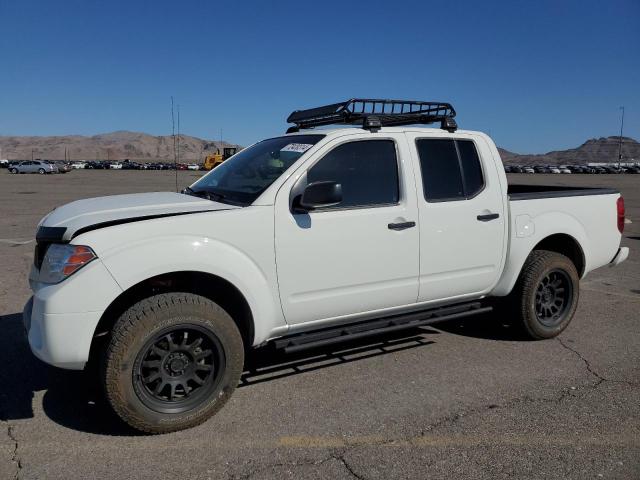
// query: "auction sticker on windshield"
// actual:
[[296, 147]]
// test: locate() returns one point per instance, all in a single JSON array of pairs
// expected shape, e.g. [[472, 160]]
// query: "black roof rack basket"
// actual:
[[375, 113]]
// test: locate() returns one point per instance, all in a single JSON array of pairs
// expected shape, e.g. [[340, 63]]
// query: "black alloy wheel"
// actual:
[[553, 297], [178, 368]]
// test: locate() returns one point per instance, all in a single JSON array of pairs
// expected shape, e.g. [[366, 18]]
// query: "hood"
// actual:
[[69, 220]]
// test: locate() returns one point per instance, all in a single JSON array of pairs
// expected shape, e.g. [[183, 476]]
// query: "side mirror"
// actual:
[[320, 195]]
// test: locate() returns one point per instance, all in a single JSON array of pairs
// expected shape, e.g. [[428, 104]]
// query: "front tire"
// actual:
[[172, 362], [41, 171], [546, 294], [13, 170]]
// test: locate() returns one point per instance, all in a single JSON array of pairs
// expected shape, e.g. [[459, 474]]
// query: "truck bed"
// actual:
[[531, 192]]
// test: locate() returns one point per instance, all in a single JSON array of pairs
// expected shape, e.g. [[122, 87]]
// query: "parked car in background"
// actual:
[[193, 166], [78, 165], [97, 165], [4, 163], [64, 167], [564, 169], [115, 166], [528, 170], [33, 166], [128, 165], [554, 170]]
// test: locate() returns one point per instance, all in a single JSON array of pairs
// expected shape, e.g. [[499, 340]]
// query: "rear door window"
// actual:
[[451, 169]]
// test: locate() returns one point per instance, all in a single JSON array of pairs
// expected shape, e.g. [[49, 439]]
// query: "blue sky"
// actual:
[[537, 76]]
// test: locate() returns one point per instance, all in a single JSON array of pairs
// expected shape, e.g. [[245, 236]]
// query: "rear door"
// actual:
[[353, 257], [462, 218]]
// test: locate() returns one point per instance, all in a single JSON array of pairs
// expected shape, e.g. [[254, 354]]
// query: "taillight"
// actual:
[[620, 205]]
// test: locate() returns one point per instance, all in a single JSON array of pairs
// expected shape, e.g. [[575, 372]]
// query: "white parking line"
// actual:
[[16, 242]]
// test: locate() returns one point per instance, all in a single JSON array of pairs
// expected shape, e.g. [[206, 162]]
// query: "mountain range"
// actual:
[[594, 150], [119, 145], [141, 146]]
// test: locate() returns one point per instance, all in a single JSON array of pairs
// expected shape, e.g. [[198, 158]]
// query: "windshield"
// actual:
[[247, 174]]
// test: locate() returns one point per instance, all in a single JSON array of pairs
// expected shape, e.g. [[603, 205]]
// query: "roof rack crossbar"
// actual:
[[356, 110]]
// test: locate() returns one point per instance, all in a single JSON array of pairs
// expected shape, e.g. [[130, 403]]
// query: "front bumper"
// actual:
[[60, 319], [61, 340], [621, 256]]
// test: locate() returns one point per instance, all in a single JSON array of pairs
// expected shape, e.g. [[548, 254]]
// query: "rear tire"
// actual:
[[13, 170], [546, 294], [41, 171], [172, 362]]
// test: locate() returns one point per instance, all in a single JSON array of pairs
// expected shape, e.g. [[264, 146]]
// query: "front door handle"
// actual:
[[488, 217], [401, 225]]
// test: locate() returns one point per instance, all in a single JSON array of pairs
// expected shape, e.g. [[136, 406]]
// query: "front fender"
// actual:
[[133, 263], [544, 225]]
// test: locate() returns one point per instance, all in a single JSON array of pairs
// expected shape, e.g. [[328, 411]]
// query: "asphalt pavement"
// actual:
[[464, 399]]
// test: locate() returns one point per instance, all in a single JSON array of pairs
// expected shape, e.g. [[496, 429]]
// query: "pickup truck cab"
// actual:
[[304, 240]]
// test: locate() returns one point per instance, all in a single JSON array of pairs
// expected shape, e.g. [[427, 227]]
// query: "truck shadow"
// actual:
[[490, 326], [75, 399]]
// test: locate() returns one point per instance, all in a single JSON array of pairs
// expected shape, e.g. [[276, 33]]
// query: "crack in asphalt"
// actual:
[[340, 457], [600, 378], [255, 471], [15, 458], [584, 360]]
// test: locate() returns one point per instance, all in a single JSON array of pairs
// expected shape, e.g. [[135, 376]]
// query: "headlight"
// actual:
[[63, 260]]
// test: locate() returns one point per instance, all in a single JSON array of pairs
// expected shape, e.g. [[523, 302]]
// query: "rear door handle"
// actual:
[[488, 217], [401, 225]]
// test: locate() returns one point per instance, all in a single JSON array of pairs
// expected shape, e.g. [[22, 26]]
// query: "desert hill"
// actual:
[[594, 150], [109, 146], [141, 146]]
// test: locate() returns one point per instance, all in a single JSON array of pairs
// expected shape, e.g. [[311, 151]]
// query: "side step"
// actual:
[[344, 333]]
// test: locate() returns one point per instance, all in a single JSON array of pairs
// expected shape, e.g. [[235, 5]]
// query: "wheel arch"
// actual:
[[208, 285], [566, 245]]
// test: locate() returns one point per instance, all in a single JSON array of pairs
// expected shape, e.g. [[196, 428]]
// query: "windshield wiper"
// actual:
[[202, 194], [212, 196]]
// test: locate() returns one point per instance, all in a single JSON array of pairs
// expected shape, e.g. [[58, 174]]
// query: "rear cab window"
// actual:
[[450, 168]]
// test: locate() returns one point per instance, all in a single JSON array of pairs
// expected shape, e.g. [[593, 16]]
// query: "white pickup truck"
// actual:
[[304, 240]]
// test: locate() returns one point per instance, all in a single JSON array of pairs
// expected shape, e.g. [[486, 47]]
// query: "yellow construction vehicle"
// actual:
[[212, 161]]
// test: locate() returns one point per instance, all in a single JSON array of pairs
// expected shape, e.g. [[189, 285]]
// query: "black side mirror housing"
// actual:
[[320, 195]]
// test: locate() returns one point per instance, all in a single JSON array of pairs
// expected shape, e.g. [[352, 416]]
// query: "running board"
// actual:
[[344, 333]]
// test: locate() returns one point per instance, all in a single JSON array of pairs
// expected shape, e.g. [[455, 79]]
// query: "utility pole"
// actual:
[[620, 142], [32, 154]]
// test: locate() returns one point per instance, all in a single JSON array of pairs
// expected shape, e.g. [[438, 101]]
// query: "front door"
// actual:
[[350, 258]]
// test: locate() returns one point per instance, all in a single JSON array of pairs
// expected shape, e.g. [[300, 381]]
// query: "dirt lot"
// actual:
[[469, 399]]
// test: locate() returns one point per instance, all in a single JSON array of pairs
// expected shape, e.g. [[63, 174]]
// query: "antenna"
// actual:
[[620, 141], [178, 133], [173, 135]]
